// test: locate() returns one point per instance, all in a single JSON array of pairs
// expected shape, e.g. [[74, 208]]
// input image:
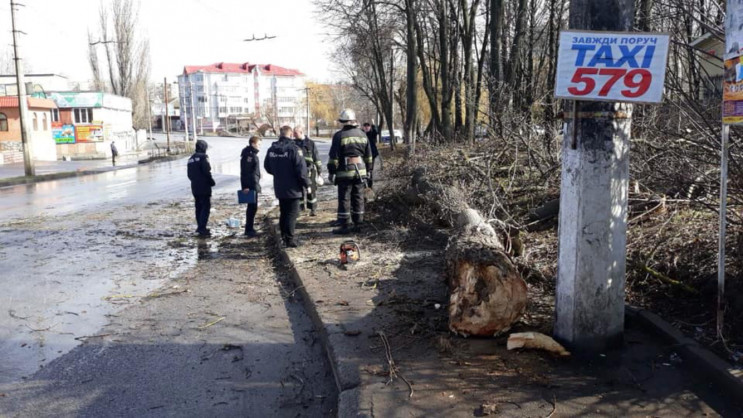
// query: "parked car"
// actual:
[[385, 135]]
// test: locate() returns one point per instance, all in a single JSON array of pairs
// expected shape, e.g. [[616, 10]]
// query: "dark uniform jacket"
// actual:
[[311, 157], [250, 169], [350, 142], [372, 135], [200, 171], [286, 163]]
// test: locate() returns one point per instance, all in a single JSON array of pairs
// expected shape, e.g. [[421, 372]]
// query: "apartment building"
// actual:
[[218, 95]]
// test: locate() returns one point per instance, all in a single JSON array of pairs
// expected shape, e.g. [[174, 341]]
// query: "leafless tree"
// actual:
[[126, 55]]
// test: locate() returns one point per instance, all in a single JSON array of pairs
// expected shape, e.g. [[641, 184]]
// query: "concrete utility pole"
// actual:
[[593, 204], [28, 163], [166, 121], [182, 101]]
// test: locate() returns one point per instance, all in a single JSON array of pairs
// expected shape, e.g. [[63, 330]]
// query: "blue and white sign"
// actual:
[[617, 67]]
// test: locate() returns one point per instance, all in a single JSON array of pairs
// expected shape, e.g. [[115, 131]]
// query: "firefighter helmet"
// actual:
[[347, 115]]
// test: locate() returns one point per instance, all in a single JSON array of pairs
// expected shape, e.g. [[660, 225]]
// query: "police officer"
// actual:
[[350, 161], [250, 179], [285, 162], [314, 166], [200, 174]]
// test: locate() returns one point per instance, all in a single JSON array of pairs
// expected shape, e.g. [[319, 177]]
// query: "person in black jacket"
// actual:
[[200, 174], [250, 179], [350, 162], [285, 162], [314, 166], [114, 153], [371, 133]]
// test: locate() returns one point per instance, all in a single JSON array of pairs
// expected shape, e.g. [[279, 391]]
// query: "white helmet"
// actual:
[[347, 115]]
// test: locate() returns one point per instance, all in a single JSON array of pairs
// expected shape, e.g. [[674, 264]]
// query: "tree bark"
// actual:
[[487, 293], [412, 75]]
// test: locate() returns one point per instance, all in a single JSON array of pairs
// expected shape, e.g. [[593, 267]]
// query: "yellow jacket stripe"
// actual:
[[353, 140]]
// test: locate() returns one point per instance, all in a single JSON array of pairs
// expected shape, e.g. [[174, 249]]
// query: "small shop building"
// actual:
[[40, 135], [85, 123]]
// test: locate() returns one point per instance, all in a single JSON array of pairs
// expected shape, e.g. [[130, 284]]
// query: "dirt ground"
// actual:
[[398, 290]]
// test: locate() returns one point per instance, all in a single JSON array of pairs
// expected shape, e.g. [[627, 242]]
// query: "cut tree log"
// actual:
[[488, 293]]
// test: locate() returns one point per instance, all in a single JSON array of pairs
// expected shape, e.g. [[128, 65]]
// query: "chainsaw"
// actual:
[[350, 252]]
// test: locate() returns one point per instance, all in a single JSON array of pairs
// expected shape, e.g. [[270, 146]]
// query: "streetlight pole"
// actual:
[[166, 121], [193, 110], [182, 101], [28, 163]]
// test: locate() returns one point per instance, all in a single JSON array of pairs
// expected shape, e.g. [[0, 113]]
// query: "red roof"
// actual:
[[245, 68], [33, 102]]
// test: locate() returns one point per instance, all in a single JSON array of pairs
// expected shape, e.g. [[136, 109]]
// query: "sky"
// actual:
[[181, 32]]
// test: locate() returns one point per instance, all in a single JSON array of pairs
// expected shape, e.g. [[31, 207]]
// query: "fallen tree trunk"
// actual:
[[487, 292]]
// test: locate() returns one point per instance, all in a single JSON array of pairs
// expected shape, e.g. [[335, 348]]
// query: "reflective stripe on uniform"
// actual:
[[350, 174], [344, 215], [369, 160], [358, 213], [333, 162], [353, 140], [312, 201]]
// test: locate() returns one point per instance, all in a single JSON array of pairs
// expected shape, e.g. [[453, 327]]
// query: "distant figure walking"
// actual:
[[114, 153], [200, 174]]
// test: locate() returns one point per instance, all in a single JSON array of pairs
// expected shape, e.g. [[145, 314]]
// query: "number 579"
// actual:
[[637, 81]]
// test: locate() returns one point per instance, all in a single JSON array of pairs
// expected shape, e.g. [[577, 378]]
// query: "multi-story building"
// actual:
[[224, 93]]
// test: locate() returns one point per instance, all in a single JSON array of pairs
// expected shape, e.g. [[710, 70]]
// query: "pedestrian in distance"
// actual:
[[371, 134], [314, 167], [114, 153], [349, 164], [250, 180], [285, 162], [200, 174]]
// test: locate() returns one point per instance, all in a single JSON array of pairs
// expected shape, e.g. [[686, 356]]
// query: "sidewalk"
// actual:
[[12, 174], [398, 290]]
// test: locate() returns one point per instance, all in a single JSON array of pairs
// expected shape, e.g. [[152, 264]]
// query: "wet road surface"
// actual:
[[85, 261]]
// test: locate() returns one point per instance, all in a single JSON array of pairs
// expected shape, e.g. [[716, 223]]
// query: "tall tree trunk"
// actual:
[[411, 76], [428, 85], [468, 40], [446, 83], [513, 68], [497, 12]]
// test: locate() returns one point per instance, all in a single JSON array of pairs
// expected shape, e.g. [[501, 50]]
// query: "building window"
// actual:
[[44, 123], [202, 99], [83, 115], [222, 99], [55, 115], [36, 121], [3, 122], [245, 100], [222, 110], [236, 110]]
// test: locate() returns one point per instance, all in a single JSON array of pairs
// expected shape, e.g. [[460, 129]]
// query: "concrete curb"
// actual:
[[718, 371], [347, 383], [14, 181]]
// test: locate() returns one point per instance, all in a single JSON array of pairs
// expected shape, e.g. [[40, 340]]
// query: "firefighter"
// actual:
[[285, 162], [350, 163], [314, 166]]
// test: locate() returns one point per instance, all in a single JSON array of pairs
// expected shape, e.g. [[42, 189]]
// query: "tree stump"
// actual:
[[487, 293]]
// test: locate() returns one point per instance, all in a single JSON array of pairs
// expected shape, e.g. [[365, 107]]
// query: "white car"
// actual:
[[385, 135]]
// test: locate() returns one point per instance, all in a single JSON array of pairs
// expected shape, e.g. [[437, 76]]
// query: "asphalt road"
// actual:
[[108, 302], [72, 196]]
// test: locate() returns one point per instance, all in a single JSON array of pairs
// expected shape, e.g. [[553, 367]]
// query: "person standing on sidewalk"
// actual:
[[114, 153], [250, 179], [314, 166], [285, 162], [349, 162], [200, 174], [371, 134]]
